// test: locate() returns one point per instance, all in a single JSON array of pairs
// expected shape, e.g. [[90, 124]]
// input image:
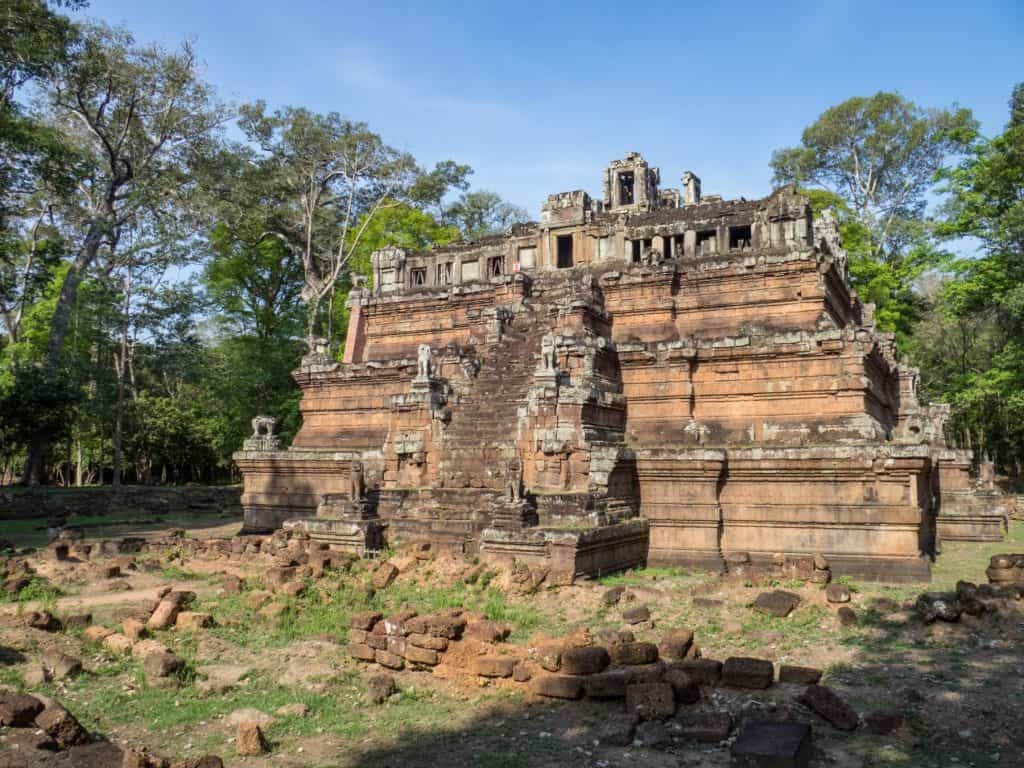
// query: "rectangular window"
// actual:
[[678, 246], [563, 249], [636, 251], [626, 192], [418, 275], [527, 258], [707, 242], [444, 273], [739, 238], [470, 271], [494, 266]]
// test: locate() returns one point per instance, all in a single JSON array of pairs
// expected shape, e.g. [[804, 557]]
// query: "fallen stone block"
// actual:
[[42, 620], [608, 636], [647, 673], [650, 701], [193, 620], [744, 672], [522, 672], [364, 620], [772, 744], [249, 740], [487, 631], [19, 711], [584, 661], [429, 642], [423, 656], [134, 629], [630, 654], [703, 671], [686, 689], [398, 624], [493, 666], [389, 660], [826, 703], [60, 725], [380, 687], [937, 606], [144, 648], [636, 614], [777, 603], [837, 593], [165, 614], [385, 574], [800, 675], [613, 595], [159, 666], [448, 627], [557, 686], [608, 685], [675, 643], [59, 665], [118, 643], [361, 652]]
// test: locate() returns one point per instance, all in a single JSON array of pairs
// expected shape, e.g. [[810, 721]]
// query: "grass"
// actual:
[[173, 572], [636, 576], [40, 591]]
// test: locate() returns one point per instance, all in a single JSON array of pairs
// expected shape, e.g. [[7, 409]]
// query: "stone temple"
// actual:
[[657, 376]]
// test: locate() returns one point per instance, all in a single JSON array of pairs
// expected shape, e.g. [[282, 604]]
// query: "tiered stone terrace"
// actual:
[[652, 377]]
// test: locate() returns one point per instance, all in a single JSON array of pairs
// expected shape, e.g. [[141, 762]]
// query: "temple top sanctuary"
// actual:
[[658, 376]]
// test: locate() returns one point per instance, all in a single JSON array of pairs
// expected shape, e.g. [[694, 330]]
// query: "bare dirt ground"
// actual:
[[959, 685]]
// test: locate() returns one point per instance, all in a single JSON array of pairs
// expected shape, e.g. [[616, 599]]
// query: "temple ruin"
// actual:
[[659, 376]]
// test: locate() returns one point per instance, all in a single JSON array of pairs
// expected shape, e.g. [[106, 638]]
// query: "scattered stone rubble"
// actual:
[[665, 687], [47, 734]]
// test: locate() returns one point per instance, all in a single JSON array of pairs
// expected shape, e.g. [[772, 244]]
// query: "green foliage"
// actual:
[[482, 213], [872, 161], [973, 353], [40, 591]]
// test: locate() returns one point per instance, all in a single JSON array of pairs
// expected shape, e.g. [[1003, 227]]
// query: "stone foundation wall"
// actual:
[[57, 503]]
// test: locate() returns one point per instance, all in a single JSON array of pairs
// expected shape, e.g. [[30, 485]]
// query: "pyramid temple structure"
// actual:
[[658, 377]]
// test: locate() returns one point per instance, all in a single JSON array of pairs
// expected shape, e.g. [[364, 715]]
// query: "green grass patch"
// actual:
[[40, 591]]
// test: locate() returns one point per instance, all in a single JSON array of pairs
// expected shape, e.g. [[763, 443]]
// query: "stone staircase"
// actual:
[[480, 441]]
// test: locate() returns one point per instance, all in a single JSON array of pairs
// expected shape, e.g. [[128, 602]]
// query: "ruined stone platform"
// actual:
[[658, 376]]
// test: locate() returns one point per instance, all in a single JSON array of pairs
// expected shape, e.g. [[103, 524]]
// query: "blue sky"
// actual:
[[538, 97]]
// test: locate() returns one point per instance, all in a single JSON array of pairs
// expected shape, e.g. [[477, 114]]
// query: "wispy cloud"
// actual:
[[364, 70]]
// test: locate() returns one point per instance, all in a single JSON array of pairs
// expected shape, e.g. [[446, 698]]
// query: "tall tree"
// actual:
[[334, 176], [135, 114], [983, 301], [879, 156]]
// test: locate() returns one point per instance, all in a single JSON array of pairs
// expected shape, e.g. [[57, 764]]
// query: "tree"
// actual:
[[984, 298], [333, 177], [878, 157], [482, 213], [33, 39], [135, 114]]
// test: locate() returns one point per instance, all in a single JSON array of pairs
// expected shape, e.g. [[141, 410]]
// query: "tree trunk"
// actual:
[[78, 463], [36, 459], [120, 366]]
